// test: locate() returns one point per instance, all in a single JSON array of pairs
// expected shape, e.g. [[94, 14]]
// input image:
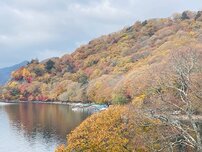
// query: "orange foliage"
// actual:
[[118, 63], [105, 131], [21, 74], [60, 148]]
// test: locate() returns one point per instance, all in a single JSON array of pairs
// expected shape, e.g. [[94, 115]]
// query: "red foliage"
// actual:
[[29, 79], [23, 87], [88, 71], [41, 98]]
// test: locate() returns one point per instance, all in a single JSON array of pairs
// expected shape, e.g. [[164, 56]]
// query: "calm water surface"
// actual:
[[27, 127]]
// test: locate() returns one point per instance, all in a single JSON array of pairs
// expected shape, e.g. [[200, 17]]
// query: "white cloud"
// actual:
[[103, 11], [50, 53]]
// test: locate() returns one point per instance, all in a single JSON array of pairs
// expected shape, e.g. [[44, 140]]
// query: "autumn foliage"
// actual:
[[105, 131], [118, 129], [22, 74], [120, 68], [114, 68]]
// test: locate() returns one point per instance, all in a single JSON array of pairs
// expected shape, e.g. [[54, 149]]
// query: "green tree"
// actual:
[[119, 98], [49, 65]]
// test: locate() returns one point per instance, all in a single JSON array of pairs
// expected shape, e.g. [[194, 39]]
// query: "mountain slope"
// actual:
[[6, 72], [114, 68]]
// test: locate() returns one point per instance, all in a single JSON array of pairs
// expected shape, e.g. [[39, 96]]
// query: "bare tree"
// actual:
[[177, 100]]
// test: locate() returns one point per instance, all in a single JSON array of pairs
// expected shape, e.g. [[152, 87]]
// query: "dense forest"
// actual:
[[150, 73]]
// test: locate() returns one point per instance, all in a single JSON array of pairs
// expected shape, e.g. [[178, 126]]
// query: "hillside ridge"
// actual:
[[114, 68]]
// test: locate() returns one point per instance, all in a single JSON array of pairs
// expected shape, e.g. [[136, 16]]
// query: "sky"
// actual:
[[31, 29]]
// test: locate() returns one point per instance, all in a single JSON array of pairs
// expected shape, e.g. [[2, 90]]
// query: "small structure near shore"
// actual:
[[89, 107], [92, 108]]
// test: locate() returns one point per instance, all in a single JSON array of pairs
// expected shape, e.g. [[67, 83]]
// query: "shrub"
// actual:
[[14, 91], [49, 65], [119, 98], [83, 79], [39, 71], [184, 16], [64, 97], [144, 23]]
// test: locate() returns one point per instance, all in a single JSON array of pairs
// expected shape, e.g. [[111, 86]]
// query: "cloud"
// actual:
[[50, 53], [103, 11], [41, 28]]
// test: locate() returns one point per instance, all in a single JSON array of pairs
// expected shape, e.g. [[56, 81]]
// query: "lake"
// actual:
[[29, 127]]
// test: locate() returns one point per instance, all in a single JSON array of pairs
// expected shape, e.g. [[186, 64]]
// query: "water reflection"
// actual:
[[44, 125]]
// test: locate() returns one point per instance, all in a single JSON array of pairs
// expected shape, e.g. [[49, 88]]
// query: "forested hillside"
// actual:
[[115, 68], [151, 73]]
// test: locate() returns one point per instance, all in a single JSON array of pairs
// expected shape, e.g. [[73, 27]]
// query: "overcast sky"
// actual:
[[46, 28]]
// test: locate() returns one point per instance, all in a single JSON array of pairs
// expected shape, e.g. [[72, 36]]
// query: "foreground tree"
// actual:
[[101, 132], [177, 99]]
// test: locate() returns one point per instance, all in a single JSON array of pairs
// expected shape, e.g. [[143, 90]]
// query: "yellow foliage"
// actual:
[[101, 132], [138, 101], [96, 73], [25, 72], [117, 129], [131, 54], [22, 72], [12, 84], [60, 148]]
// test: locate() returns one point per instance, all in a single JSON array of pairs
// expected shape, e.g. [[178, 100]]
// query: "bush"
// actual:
[[49, 65], [39, 71], [184, 16], [14, 91], [83, 79], [119, 98], [64, 97], [144, 23]]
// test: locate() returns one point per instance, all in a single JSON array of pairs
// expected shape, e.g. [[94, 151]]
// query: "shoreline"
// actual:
[[76, 106]]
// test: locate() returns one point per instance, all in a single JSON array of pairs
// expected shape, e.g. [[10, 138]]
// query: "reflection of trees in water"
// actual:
[[44, 119]]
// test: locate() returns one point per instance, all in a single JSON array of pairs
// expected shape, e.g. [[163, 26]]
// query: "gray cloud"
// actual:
[[46, 28]]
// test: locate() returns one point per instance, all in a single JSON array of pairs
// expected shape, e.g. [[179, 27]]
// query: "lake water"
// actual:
[[27, 127]]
